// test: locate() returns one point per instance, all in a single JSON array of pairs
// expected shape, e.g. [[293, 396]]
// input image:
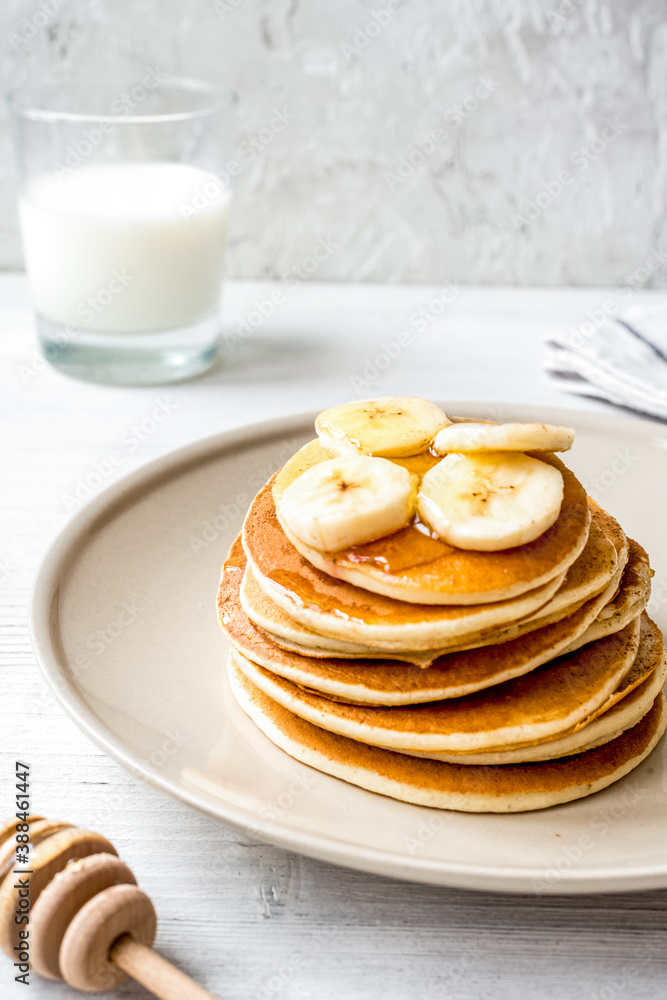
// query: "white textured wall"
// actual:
[[559, 70]]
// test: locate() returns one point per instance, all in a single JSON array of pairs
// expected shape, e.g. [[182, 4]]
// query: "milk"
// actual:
[[125, 247]]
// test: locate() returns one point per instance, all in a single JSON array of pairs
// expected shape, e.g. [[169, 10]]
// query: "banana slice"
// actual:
[[394, 426], [346, 501], [490, 500], [482, 436]]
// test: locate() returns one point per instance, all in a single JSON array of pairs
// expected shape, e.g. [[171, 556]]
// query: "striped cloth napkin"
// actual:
[[622, 359]]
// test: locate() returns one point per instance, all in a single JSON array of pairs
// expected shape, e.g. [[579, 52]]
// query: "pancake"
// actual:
[[633, 596], [386, 624], [497, 789], [411, 565], [287, 632], [606, 727], [591, 570], [334, 609], [621, 604], [629, 703], [300, 604], [389, 681], [606, 549], [543, 704]]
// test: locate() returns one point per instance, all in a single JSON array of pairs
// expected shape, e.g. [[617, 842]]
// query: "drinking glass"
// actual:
[[124, 205]]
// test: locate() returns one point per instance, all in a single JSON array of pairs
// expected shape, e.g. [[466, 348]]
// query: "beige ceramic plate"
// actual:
[[124, 624]]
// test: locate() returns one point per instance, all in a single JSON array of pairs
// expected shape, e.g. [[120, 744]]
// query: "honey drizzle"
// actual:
[[412, 546], [305, 595]]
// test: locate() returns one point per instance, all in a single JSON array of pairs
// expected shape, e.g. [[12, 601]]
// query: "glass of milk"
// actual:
[[124, 205]]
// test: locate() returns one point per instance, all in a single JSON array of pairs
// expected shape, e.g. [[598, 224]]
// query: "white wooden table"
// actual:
[[250, 920]]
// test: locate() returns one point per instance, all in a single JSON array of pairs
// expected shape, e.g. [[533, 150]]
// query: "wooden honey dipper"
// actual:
[[89, 922]]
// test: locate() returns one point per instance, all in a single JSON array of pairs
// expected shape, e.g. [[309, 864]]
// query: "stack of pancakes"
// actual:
[[471, 680]]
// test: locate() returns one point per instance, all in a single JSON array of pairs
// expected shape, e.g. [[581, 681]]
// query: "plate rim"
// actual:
[[323, 847]]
